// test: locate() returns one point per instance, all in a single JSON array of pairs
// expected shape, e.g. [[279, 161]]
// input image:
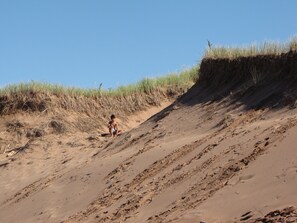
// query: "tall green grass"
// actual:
[[181, 80], [266, 48]]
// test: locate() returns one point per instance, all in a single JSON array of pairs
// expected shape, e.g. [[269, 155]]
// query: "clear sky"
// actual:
[[84, 43]]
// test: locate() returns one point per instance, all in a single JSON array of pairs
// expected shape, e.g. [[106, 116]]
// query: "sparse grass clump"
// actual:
[[266, 48]]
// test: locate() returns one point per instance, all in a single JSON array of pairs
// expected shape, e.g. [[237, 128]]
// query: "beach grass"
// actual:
[[265, 48], [183, 79]]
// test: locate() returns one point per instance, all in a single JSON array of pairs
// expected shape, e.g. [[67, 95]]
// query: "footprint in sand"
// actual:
[[243, 179], [246, 216]]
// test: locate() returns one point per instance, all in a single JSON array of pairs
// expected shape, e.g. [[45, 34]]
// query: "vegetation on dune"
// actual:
[[169, 83], [225, 66], [266, 48], [35, 96]]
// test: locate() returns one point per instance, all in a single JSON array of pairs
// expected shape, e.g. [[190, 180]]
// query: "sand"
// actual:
[[195, 161]]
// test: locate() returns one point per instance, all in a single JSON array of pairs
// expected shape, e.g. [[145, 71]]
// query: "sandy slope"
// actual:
[[199, 160], [34, 174]]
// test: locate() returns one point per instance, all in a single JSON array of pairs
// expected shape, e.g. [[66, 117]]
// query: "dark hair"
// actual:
[[112, 116]]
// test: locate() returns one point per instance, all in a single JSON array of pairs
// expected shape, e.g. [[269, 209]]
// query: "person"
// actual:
[[113, 126]]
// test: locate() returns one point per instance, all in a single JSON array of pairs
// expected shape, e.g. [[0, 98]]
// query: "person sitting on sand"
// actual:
[[113, 127]]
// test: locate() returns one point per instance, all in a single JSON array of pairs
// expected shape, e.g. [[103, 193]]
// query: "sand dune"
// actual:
[[212, 156]]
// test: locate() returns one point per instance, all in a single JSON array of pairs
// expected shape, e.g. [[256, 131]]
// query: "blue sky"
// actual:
[[114, 42]]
